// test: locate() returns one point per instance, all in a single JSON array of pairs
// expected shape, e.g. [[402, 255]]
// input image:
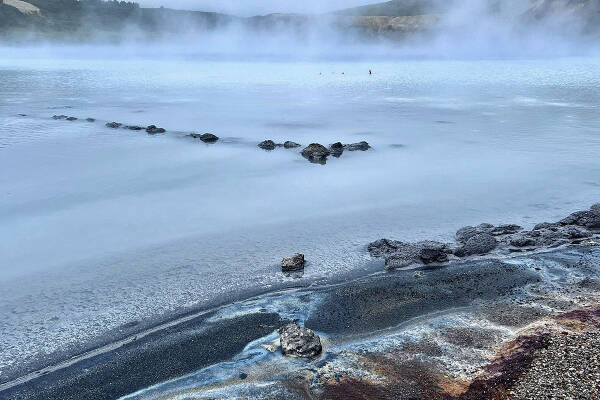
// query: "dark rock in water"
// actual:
[[113, 125], [501, 230], [336, 149], [90, 120], [293, 263], [588, 219], [243, 375], [362, 146], [60, 116], [478, 244], [267, 145], [71, 119], [401, 255], [205, 137], [298, 341], [290, 145], [316, 153], [22, 115], [133, 127], [153, 130]]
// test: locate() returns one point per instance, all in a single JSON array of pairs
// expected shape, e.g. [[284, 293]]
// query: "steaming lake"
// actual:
[[104, 227]]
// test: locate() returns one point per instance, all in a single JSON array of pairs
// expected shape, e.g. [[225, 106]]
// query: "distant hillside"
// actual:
[[399, 8], [114, 21]]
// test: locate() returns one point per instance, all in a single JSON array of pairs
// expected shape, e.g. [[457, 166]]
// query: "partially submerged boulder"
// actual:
[[291, 145], [133, 127], [478, 244], [293, 263], [336, 149], [153, 130], [113, 125], [90, 119], [205, 137], [62, 116], [360, 146], [297, 341], [267, 145], [316, 153], [71, 118]]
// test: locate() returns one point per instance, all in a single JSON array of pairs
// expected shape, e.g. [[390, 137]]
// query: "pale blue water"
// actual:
[[99, 227]]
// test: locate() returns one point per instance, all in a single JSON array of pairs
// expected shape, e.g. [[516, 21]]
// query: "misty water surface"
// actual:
[[101, 226]]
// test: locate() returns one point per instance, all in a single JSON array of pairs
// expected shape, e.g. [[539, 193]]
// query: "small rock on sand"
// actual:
[[298, 341], [293, 263]]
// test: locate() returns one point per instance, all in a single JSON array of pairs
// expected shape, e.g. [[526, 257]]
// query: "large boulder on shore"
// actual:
[[401, 255], [298, 341], [293, 263], [588, 219], [316, 152], [478, 244]]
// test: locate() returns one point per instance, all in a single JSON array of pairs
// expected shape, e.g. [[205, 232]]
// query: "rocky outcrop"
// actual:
[[316, 153], [293, 263], [113, 125], [298, 341], [153, 130], [484, 239], [205, 137]]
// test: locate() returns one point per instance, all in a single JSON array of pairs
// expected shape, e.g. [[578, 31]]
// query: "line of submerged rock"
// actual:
[[314, 152]]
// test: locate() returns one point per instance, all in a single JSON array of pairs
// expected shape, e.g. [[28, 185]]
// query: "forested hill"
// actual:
[[79, 19]]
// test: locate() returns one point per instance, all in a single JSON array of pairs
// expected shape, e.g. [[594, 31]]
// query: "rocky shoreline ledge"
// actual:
[[472, 325]]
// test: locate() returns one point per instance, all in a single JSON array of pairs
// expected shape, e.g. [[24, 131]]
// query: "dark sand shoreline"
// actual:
[[350, 311], [504, 288]]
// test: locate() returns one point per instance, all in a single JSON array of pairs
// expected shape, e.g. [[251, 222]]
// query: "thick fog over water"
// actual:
[[101, 227]]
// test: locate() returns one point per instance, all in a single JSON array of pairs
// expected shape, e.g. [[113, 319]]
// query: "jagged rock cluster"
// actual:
[[486, 238]]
